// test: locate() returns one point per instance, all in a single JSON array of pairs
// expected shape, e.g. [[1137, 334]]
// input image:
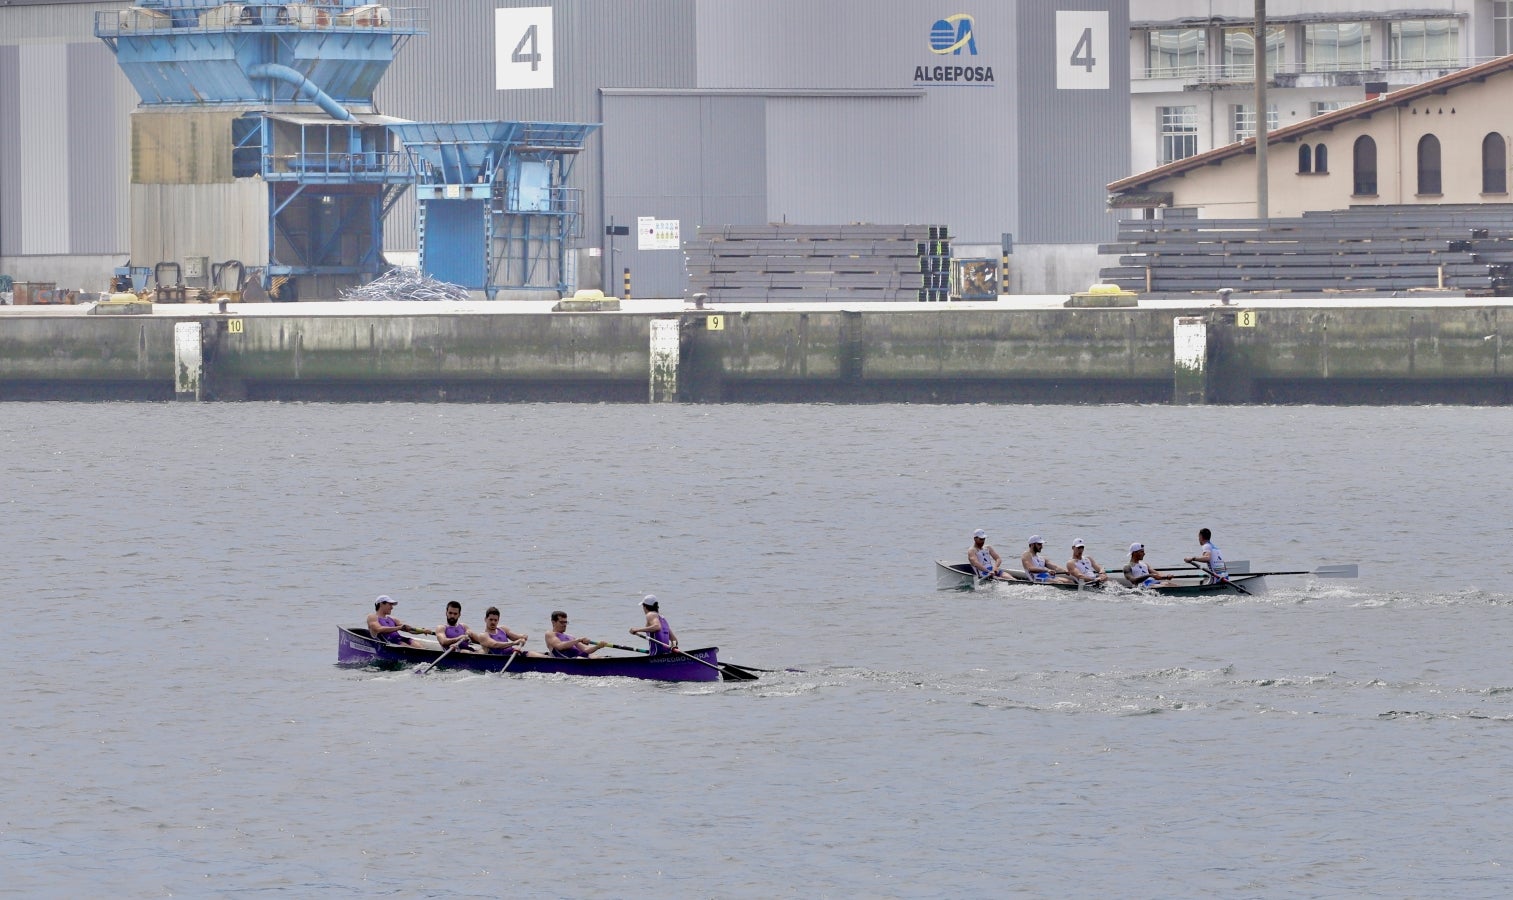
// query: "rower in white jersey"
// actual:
[[1210, 560], [1138, 574], [1084, 568], [1037, 567], [986, 563]]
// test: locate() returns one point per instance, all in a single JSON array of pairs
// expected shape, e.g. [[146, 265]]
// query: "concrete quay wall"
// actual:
[[991, 352]]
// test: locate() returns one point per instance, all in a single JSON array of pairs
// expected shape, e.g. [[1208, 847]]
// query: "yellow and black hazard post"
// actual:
[[625, 291]]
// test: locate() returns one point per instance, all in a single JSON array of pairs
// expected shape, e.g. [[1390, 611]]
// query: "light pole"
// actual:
[[1262, 188]]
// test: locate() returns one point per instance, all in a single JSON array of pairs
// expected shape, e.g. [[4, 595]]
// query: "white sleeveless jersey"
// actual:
[[1215, 559]]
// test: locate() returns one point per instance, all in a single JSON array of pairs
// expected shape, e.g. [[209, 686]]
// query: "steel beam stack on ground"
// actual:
[[1465, 249], [859, 263]]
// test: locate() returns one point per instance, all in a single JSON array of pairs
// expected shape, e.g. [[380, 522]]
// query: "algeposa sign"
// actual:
[[953, 36]]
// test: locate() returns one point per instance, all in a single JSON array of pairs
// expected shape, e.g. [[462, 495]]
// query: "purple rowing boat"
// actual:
[[355, 647]]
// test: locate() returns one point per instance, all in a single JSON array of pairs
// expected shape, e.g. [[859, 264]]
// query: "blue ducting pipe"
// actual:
[[302, 85]]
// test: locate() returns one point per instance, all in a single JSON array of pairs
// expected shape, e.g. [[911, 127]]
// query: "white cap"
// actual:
[[1077, 543], [649, 600], [1136, 547], [1035, 539], [979, 533]]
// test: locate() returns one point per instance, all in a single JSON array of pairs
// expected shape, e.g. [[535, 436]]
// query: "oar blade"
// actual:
[[1349, 570], [735, 673]]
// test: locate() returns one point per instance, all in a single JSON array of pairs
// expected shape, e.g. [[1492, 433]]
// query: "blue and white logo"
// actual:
[[949, 37], [951, 34]]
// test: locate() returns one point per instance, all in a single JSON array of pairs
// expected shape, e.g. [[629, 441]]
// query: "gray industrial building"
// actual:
[[1002, 120]]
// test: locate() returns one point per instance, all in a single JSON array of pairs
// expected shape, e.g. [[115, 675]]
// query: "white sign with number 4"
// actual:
[[523, 57], [1082, 61]]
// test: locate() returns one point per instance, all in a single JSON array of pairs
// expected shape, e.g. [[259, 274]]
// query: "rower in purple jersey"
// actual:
[[657, 631], [496, 638], [560, 643], [454, 632], [383, 625]]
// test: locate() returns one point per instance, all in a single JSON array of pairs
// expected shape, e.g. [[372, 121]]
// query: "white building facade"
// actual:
[[1192, 64]]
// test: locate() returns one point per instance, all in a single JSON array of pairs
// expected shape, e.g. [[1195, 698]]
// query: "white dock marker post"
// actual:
[[665, 347], [1190, 360], [188, 361]]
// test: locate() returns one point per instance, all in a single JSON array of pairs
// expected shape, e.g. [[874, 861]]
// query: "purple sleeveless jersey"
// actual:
[[393, 637], [664, 635]]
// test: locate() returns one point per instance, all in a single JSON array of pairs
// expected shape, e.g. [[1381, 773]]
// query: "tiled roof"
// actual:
[[1363, 110]]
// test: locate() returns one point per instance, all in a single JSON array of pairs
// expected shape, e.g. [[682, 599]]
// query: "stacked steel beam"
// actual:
[[799, 263]]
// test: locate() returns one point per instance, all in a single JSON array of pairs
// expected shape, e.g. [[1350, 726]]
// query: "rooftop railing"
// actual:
[[1219, 73], [236, 17]]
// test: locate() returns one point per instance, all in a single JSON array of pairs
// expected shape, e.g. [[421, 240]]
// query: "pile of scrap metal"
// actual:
[[406, 284]]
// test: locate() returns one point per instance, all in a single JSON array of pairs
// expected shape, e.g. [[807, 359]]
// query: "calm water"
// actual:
[[175, 726]]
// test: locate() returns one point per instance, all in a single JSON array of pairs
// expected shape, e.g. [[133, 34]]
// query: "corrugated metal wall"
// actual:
[[64, 106], [697, 159], [945, 155], [1069, 139], [95, 152], [44, 186], [10, 151], [221, 221]]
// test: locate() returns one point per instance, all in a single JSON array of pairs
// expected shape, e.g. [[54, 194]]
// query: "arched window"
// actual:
[[1321, 158], [1305, 159], [1365, 167], [1428, 165], [1494, 164]]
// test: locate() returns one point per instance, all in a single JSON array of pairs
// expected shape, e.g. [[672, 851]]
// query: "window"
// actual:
[[1494, 164], [1179, 132], [246, 146], [1242, 121], [1240, 51], [1365, 167], [1321, 159], [1428, 165], [1337, 47], [1319, 107], [1502, 27], [1424, 43], [1176, 52], [1305, 159]]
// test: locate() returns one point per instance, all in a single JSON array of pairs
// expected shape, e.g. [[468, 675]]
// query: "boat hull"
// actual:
[[959, 576], [356, 648]]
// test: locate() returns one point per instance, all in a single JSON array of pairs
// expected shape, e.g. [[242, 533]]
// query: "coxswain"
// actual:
[[1210, 560], [383, 626], [1084, 568], [657, 631], [1140, 575], [560, 643], [1037, 567]]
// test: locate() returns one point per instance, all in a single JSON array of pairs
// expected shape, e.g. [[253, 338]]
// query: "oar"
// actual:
[[423, 668], [1341, 570], [1238, 567], [1234, 584], [732, 665], [729, 671]]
